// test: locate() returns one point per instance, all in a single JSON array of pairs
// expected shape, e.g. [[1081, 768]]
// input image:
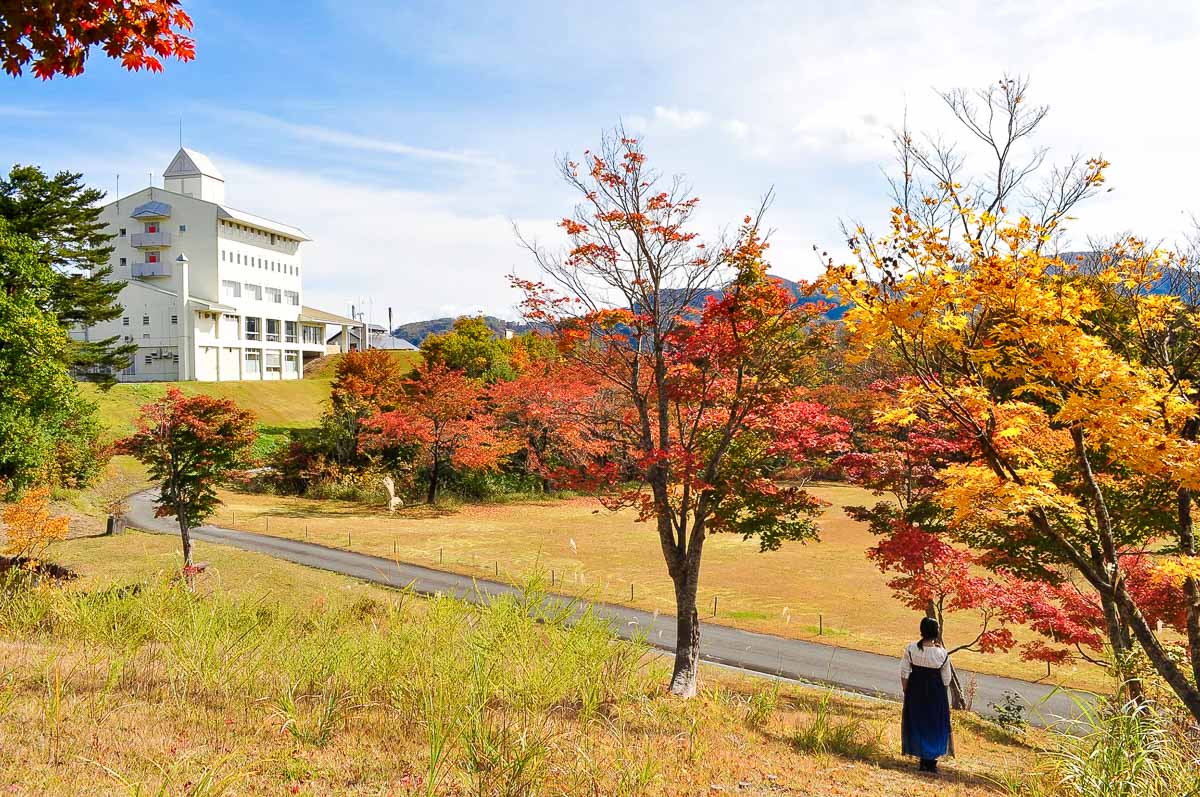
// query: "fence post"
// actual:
[[552, 577], [268, 524], [820, 625], [714, 605], [347, 540], [631, 590], [394, 551], [306, 532], [497, 563], [441, 557]]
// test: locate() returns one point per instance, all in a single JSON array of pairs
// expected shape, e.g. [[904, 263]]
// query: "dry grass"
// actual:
[[826, 592], [85, 710]]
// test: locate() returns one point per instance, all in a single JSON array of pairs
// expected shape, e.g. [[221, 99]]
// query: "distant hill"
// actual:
[[417, 331]]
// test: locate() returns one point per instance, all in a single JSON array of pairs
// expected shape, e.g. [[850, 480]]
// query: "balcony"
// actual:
[[149, 240], [146, 270]]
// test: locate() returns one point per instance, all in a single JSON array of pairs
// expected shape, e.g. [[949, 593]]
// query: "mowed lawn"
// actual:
[[827, 591]]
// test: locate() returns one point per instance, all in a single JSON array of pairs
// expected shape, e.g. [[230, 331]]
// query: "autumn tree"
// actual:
[[364, 383], [546, 408], [190, 445], [442, 415], [56, 37], [30, 527], [1073, 438], [1082, 444], [704, 357]]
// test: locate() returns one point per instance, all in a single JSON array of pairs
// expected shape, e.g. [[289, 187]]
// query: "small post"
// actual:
[[394, 551], [268, 519], [552, 577], [441, 556], [820, 625], [347, 540], [714, 605], [630, 590], [306, 532], [497, 563]]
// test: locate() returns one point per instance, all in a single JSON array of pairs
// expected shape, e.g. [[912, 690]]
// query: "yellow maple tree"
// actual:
[[29, 526]]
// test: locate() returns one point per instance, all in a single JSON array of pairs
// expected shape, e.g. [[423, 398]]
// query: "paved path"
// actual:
[[853, 670]]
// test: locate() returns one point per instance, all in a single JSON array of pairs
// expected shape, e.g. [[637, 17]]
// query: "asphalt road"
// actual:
[[793, 659]]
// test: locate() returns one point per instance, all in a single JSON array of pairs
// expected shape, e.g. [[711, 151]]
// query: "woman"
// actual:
[[924, 677]]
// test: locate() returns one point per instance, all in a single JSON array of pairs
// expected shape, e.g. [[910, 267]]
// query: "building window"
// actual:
[[274, 295], [274, 363], [175, 358], [123, 261], [122, 232], [222, 255], [151, 228], [145, 320], [254, 292], [239, 258], [231, 289], [293, 297], [291, 360], [125, 321], [273, 330], [312, 334], [174, 319], [182, 228], [148, 359], [253, 361], [152, 257], [289, 331], [253, 328]]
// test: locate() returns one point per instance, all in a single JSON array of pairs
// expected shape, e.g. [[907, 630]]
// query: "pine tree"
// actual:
[[62, 216]]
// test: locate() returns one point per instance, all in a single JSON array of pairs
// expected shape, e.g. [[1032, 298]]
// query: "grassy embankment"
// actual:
[[276, 679]]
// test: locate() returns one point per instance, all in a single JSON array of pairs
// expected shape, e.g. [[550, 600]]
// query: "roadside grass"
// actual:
[[125, 683], [825, 592]]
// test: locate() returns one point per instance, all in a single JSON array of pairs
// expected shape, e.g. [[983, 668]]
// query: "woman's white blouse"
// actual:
[[928, 656]]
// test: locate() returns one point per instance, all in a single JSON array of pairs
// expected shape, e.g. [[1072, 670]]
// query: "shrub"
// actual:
[[29, 527]]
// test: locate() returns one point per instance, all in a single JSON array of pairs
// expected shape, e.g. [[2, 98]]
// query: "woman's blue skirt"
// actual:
[[925, 723]]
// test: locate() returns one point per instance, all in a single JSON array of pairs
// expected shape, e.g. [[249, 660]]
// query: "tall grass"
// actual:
[[1135, 749], [490, 692], [826, 732]]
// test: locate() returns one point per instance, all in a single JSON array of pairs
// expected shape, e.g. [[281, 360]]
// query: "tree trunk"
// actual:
[[958, 696], [1184, 689], [1191, 588], [687, 642], [1121, 644], [431, 496]]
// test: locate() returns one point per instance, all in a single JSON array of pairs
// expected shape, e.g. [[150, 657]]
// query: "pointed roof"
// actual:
[[189, 163], [151, 210]]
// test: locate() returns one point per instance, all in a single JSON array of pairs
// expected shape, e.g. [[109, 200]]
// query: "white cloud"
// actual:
[[736, 128], [424, 254], [680, 119]]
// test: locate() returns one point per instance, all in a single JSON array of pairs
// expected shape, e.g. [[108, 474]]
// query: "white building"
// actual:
[[213, 293]]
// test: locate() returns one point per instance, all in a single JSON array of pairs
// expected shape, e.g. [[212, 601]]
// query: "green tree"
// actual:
[[61, 216], [47, 430], [190, 445], [471, 347]]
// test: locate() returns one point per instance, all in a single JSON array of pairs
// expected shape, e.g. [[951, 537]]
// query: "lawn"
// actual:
[[289, 404], [277, 679], [826, 592]]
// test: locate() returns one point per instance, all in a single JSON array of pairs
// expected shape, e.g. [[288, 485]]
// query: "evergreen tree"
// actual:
[[48, 432], [61, 216]]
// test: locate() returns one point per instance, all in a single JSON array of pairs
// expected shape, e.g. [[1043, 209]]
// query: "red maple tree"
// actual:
[[57, 36], [441, 414], [703, 359]]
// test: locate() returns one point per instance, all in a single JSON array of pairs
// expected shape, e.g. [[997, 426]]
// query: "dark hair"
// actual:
[[929, 631]]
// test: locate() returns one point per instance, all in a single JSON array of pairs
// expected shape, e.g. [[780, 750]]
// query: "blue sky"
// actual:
[[407, 138]]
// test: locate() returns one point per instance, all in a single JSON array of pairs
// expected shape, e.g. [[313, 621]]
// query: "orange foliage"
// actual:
[[29, 527]]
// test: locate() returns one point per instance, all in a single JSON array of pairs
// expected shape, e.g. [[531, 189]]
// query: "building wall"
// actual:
[[207, 343]]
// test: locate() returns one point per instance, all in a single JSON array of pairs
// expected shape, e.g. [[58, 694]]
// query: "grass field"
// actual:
[[277, 679], [827, 591]]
